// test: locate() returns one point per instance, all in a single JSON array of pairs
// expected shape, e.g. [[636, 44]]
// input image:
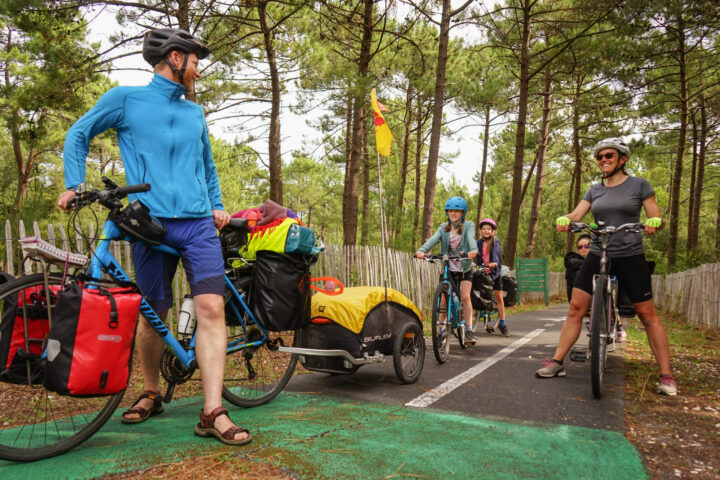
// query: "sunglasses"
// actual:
[[606, 156], [583, 247]]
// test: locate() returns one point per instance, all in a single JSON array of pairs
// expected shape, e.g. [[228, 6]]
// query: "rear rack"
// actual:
[[39, 249]]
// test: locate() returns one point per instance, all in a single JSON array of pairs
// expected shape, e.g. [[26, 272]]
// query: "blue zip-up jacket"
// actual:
[[163, 141]]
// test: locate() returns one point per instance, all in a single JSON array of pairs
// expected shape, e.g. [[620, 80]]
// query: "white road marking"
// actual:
[[440, 391]]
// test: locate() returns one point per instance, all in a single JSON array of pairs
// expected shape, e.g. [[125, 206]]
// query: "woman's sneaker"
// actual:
[[551, 369], [470, 337], [667, 385], [503, 330], [621, 334]]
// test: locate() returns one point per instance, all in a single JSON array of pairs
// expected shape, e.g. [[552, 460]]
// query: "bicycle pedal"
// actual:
[[578, 355]]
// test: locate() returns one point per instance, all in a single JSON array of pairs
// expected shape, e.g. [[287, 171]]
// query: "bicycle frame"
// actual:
[[104, 261], [453, 306], [611, 285]]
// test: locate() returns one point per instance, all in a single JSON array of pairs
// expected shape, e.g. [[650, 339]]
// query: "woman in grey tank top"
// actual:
[[618, 199]]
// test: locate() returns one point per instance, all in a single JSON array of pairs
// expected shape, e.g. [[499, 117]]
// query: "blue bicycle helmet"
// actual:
[[456, 203]]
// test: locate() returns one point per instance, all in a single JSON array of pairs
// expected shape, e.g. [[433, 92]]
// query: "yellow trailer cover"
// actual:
[[350, 308]]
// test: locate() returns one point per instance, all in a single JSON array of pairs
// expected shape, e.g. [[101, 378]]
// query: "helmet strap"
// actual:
[[180, 73], [611, 174], [462, 219]]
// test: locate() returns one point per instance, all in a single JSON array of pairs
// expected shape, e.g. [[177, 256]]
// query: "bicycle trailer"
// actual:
[[360, 326]]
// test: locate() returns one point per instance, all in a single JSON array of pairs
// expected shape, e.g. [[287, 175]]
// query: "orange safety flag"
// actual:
[[383, 136]]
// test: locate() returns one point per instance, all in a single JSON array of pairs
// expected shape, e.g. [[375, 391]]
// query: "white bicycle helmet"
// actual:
[[613, 142]]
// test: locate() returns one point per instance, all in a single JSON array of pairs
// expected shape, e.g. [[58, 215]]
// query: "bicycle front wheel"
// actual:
[[37, 423], [598, 334], [254, 375], [440, 324]]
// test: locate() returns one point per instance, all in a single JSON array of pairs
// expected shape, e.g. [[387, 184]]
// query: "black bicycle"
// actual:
[[604, 314]]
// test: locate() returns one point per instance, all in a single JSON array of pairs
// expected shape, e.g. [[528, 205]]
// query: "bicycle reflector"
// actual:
[[135, 219]]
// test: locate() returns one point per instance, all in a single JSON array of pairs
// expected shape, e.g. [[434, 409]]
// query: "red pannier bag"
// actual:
[[90, 342], [16, 351]]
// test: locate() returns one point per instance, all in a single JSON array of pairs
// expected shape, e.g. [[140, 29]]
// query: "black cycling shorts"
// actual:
[[460, 277], [497, 284], [632, 273]]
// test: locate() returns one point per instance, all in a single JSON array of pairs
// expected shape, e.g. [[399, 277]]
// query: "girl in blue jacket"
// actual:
[[491, 255], [457, 236]]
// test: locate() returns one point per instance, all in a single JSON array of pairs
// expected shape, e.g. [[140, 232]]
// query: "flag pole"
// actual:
[[382, 215], [382, 234]]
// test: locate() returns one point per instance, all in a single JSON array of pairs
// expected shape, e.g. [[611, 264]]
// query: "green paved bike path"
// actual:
[[321, 438]]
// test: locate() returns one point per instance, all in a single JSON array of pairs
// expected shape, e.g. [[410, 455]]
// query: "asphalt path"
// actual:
[[482, 414], [495, 379]]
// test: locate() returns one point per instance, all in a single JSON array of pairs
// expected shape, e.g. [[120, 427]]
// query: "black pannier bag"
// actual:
[[241, 279], [510, 288], [280, 294], [482, 291], [17, 352]]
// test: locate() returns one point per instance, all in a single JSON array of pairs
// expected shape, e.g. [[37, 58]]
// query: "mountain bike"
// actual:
[[37, 423], [604, 315], [447, 310]]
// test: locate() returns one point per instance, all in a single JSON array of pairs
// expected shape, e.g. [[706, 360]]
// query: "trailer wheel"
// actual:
[[409, 352]]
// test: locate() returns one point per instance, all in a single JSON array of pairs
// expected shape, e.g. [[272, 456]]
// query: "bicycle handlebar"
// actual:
[[108, 197], [431, 258], [576, 227]]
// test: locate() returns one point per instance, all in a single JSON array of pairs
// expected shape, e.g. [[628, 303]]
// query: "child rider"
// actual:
[[457, 236]]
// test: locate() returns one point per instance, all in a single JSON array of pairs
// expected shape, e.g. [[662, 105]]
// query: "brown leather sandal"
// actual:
[[206, 428], [142, 413]]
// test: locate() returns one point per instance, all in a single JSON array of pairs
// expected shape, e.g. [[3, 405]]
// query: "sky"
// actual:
[[294, 129]]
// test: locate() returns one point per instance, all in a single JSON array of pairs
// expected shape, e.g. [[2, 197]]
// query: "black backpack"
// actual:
[[482, 295]]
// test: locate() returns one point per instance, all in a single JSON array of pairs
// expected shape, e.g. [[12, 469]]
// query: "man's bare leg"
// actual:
[[211, 342]]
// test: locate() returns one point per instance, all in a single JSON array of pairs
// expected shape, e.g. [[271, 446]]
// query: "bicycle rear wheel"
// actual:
[[255, 375], [37, 423], [598, 334], [440, 330]]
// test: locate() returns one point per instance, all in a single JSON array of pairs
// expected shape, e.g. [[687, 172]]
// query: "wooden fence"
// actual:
[[353, 265], [693, 293]]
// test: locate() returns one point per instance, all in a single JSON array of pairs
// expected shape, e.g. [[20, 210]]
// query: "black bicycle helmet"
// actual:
[[159, 42]]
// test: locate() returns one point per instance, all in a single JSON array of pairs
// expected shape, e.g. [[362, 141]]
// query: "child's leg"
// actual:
[[465, 289]]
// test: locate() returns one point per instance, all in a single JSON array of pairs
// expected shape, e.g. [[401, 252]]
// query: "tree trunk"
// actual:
[[418, 174], [276, 181], [700, 180], [717, 231], [365, 225], [693, 174], [682, 138], [182, 14], [515, 200], [438, 100], [542, 152], [398, 216], [574, 197], [483, 169], [350, 193]]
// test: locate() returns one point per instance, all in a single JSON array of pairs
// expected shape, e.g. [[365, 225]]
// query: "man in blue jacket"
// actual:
[[164, 141]]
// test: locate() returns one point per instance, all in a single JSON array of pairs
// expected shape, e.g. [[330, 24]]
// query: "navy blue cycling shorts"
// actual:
[[632, 273], [199, 246]]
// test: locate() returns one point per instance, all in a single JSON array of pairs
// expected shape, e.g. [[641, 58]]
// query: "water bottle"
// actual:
[[186, 319]]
